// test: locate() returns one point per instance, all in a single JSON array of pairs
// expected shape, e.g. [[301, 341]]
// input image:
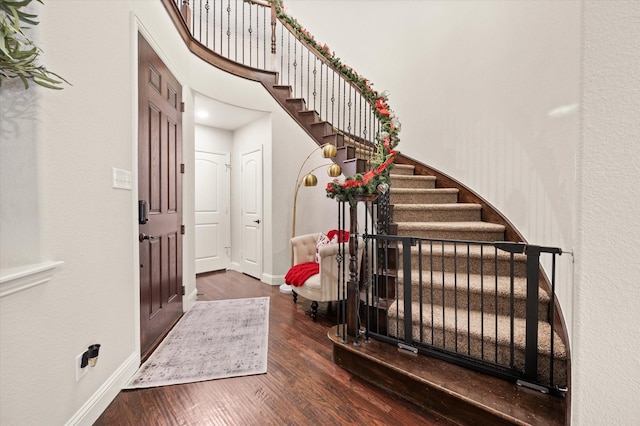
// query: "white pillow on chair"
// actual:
[[323, 240]]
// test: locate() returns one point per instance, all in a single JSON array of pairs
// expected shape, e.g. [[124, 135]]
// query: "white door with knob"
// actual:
[[212, 225], [251, 211]]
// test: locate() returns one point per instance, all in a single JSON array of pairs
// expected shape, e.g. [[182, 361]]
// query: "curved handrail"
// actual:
[[386, 126], [258, 37]]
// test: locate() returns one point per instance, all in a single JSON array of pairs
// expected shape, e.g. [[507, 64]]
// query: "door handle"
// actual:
[[144, 236], [257, 221]]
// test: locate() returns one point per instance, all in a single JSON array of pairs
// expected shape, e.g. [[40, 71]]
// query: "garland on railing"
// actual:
[[377, 179]]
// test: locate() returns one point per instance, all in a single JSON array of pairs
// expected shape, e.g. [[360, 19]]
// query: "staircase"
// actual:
[[461, 297], [425, 204]]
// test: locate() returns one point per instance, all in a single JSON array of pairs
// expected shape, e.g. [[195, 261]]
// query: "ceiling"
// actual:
[[212, 113]]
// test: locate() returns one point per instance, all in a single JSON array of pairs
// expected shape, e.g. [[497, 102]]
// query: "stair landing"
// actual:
[[461, 395]]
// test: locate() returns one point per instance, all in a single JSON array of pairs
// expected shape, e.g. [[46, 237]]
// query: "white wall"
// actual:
[[77, 136], [211, 139], [606, 364], [473, 83]]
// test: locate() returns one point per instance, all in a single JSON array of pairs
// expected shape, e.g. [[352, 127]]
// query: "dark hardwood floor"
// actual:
[[301, 387]]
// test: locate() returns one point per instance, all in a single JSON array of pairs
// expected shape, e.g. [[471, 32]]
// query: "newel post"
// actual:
[[353, 285], [273, 28], [353, 289]]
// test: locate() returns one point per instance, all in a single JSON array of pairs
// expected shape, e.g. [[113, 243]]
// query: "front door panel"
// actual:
[[160, 187]]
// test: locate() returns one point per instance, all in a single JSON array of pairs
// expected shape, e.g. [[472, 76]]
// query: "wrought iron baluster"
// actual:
[[308, 77], [350, 104], [295, 67], [496, 305], [315, 61], [482, 300], [512, 314], [264, 44], [206, 9], [333, 97], [469, 300], [321, 75], [431, 290], [444, 323], [200, 25], [235, 34], [249, 30], [455, 294]]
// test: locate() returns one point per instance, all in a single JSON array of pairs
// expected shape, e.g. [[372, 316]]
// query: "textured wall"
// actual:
[[605, 351], [477, 86]]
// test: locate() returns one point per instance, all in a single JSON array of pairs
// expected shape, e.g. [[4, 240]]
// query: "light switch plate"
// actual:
[[121, 178]]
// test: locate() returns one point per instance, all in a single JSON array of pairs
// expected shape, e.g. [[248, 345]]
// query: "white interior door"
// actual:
[[212, 222], [251, 187]]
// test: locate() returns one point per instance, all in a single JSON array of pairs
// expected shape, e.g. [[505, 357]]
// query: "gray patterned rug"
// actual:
[[213, 340]]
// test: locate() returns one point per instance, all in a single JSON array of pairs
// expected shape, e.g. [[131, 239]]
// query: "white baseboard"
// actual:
[[272, 279], [100, 400], [190, 300], [265, 278]]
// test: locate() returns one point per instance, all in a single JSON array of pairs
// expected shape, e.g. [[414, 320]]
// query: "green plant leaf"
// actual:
[[18, 54]]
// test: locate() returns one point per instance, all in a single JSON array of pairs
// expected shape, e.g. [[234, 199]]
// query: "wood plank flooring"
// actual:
[[301, 387]]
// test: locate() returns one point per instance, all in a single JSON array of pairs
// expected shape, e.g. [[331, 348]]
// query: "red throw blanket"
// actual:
[[298, 274]]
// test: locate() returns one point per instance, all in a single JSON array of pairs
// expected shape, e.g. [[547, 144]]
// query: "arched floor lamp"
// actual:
[[309, 179]]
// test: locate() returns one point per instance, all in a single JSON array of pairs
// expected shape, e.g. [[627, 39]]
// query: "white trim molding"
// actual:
[[100, 400], [15, 279]]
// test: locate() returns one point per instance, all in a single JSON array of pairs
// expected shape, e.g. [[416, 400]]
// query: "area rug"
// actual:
[[213, 340]]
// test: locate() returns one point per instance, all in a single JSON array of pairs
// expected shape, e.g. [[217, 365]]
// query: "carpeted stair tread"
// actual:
[[476, 283], [443, 206], [477, 334], [481, 259], [403, 169], [423, 195], [439, 212], [423, 190], [412, 181], [451, 226], [480, 292], [471, 231]]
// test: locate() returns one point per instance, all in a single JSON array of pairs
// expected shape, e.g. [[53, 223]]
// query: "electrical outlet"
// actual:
[[80, 372]]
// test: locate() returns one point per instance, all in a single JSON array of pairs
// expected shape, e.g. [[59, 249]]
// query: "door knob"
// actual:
[[144, 236], [257, 221]]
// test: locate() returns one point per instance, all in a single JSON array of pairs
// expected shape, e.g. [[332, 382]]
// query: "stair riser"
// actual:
[[308, 117], [452, 234], [321, 129], [296, 105], [434, 215], [424, 198], [461, 298], [462, 343], [401, 169], [412, 182]]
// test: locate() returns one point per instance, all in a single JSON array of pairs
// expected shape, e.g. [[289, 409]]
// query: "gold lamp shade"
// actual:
[[329, 151], [310, 180], [334, 170]]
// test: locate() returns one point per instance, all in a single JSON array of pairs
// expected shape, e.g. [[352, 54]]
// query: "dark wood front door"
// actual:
[[160, 191]]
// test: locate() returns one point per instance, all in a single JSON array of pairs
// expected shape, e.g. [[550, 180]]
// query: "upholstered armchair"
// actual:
[[322, 286]]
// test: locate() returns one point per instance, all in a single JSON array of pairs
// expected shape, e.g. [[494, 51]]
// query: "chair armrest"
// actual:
[[331, 250]]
